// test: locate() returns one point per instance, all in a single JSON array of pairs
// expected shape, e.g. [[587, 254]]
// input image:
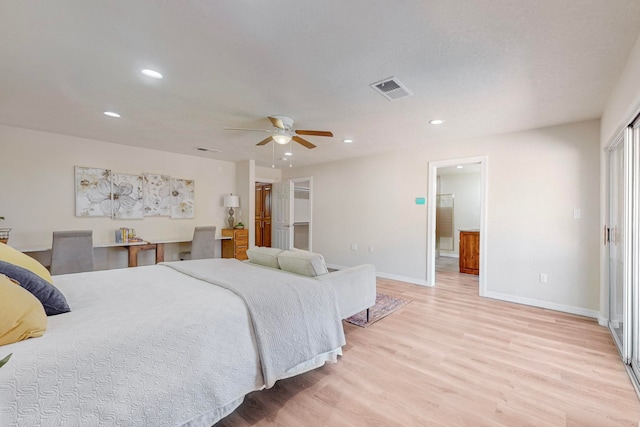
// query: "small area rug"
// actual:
[[385, 305]]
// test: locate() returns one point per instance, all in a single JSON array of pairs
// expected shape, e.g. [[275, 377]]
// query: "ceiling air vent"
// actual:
[[391, 89], [212, 150]]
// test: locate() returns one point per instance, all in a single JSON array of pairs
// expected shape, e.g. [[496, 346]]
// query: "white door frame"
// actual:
[[431, 216]]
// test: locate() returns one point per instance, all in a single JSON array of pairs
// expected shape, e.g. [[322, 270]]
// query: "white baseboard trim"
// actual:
[[388, 276], [602, 321], [545, 304], [403, 279]]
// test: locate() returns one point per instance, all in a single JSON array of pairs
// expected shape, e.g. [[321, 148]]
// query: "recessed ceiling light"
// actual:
[[459, 167], [347, 141], [111, 114], [151, 73], [284, 158], [288, 154], [436, 122]]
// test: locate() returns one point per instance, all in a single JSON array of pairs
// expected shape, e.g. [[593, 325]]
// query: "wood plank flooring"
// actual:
[[451, 358]]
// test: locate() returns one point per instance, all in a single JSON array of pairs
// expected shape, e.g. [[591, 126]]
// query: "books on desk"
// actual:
[[127, 235]]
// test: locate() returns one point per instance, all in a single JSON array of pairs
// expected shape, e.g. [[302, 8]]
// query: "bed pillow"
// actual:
[[49, 296], [264, 256], [14, 256], [302, 262], [22, 314]]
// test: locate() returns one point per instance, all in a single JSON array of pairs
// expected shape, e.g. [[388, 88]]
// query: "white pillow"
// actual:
[[264, 256], [302, 262]]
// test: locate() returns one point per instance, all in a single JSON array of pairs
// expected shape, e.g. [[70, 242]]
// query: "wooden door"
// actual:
[[263, 215]]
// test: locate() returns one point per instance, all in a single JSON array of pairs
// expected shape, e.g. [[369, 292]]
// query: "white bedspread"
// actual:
[[145, 346], [294, 318]]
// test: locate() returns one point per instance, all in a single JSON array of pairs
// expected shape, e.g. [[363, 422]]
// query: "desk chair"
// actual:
[[203, 244], [72, 252]]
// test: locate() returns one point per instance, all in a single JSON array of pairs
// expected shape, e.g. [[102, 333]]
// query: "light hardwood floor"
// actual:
[[451, 358]]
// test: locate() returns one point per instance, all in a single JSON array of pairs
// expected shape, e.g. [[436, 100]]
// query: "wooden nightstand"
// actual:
[[238, 245]]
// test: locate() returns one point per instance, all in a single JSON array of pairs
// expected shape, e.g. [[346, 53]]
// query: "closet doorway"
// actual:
[[302, 214], [293, 214], [263, 214]]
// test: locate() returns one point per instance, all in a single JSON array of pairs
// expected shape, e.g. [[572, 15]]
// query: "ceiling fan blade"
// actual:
[[314, 132], [265, 141], [303, 142], [276, 122], [256, 130]]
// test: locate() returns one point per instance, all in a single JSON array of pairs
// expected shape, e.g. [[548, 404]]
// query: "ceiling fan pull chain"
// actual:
[[273, 155]]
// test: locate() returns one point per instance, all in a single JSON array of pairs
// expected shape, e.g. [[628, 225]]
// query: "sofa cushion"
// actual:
[[264, 256], [302, 262]]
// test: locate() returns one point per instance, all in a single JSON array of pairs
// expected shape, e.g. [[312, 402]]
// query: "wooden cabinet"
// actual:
[[470, 252], [237, 246]]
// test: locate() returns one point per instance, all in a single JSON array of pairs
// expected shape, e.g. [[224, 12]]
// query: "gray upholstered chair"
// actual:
[[203, 244], [72, 252]]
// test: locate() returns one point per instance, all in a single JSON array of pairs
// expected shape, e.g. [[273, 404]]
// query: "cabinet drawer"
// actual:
[[241, 253]]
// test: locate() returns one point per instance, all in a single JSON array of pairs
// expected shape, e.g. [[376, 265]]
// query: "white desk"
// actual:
[[132, 247]]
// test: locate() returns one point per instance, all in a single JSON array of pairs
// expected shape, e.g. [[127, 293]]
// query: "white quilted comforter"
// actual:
[[145, 346]]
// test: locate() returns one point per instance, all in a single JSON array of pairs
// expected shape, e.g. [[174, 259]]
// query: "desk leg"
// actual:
[[133, 255], [159, 252]]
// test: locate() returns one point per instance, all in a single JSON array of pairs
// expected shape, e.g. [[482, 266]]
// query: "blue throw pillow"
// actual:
[[51, 298]]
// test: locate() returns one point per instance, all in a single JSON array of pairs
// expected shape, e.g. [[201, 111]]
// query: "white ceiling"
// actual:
[[484, 66]]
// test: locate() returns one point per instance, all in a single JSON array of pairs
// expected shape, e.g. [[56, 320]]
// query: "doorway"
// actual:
[[263, 214], [302, 215], [458, 219], [293, 214], [443, 248]]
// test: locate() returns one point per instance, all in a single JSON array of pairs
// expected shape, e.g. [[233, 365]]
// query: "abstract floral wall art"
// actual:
[[156, 194], [104, 193], [182, 198], [126, 196], [93, 191]]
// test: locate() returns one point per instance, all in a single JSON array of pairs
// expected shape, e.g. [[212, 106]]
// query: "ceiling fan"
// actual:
[[284, 132]]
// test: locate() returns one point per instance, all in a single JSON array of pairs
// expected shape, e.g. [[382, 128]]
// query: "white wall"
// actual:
[[535, 180], [466, 189], [37, 189], [245, 188], [264, 174]]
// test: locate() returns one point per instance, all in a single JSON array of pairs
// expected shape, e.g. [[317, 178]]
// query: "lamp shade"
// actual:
[[231, 201]]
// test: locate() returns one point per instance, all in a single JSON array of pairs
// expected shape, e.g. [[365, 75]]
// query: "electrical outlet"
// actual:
[[354, 246], [370, 249], [577, 214], [544, 278]]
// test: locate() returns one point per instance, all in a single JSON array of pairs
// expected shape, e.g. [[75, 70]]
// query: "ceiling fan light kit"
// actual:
[[281, 139], [284, 132]]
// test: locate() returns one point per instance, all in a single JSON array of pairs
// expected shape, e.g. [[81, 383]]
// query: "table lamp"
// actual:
[[231, 202]]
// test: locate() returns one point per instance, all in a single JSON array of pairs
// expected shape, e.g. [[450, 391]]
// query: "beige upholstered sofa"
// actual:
[[355, 287]]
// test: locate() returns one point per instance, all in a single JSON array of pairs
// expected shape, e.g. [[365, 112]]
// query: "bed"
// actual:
[[167, 345]]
